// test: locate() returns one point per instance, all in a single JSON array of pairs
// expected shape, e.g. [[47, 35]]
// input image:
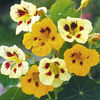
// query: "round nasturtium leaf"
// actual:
[[80, 88]]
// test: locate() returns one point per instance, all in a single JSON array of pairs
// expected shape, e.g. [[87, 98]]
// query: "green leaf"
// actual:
[[65, 46], [42, 3], [95, 73], [15, 93], [62, 9], [80, 88], [6, 81]]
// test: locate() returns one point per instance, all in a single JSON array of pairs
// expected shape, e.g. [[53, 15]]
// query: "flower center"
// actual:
[[35, 76], [54, 67], [22, 12], [77, 55], [23, 15], [45, 32]]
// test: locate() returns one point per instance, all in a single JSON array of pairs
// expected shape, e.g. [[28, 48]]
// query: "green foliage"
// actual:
[[97, 25], [80, 88], [6, 81], [62, 9], [65, 46], [95, 73], [44, 3], [15, 93]]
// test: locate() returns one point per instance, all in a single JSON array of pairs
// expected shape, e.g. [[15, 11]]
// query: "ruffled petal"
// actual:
[[63, 26], [42, 49], [44, 65], [5, 68], [57, 41], [81, 37], [15, 72], [46, 78], [30, 40], [57, 82]]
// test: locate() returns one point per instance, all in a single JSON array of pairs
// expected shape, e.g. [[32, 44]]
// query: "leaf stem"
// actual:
[[15, 94], [56, 97], [49, 96], [81, 13]]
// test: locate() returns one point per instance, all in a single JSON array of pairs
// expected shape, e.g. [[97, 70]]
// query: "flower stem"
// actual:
[[58, 53], [73, 44], [90, 46], [49, 96], [55, 95], [81, 13]]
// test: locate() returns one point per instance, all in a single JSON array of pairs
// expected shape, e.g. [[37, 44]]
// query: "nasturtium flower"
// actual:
[[15, 64], [25, 14], [31, 84], [74, 29], [80, 59], [44, 38], [84, 3], [53, 72]]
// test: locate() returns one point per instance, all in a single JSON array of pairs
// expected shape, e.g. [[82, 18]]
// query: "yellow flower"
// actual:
[[25, 14], [74, 29], [79, 59], [53, 72], [31, 84], [43, 38], [15, 64], [84, 3]]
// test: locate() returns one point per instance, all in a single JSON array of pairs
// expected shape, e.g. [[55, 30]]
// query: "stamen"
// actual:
[[42, 30], [48, 29], [72, 55]]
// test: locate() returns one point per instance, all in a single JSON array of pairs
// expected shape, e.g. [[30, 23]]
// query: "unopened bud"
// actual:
[[94, 38], [84, 3], [41, 13]]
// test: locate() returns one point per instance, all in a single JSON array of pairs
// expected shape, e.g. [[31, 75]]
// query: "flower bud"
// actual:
[[84, 3], [94, 38]]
